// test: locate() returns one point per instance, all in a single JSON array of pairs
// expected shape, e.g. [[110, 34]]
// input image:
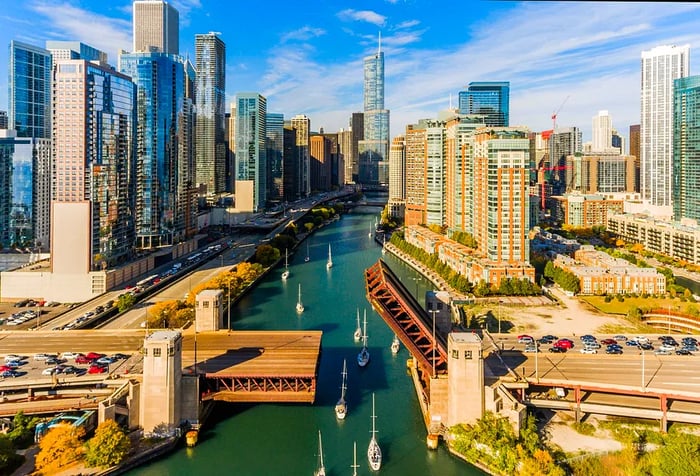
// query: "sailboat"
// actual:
[[285, 274], [321, 471], [376, 223], [306, 260], [358, 329], [370, 231], [354, 465], [374, 452], [363, 356], [341, 408], [300, 306], [329, 264], [395, 345], [383, 244]]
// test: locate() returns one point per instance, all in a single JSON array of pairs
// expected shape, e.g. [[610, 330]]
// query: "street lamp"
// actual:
[[643, 379], [229, 303], [433, 311], [499, 315]]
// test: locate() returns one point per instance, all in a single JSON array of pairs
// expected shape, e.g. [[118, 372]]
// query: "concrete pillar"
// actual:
[[663, 402], [465, 376], [162, 381]]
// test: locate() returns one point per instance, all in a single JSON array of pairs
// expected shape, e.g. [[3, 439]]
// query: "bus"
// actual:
[[147, 282]]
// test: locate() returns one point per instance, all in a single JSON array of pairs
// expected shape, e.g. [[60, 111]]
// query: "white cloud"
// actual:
[[362, 15], [65, 21], [303, 34]]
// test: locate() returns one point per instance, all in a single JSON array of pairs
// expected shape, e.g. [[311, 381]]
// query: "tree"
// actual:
[[9, 460], [678, 456], [59, 447], [109, 446], [125, 301], [22, 434]]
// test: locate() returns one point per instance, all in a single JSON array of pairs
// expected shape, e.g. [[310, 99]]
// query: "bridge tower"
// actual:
[[162, 381], [465, 376], [209, 310]]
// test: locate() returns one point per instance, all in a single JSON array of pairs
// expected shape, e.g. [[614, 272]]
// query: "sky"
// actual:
[[307, 57]]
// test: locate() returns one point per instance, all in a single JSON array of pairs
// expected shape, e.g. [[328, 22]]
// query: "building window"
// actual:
[[205, 304], [468, 354], [156, 352], [455, 354]]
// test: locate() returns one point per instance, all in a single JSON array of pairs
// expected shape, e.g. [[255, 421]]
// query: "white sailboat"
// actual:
[[329, 264], [306, 260], [321, 471], [370, 231], [354, 465], [285, 274], [374, 452], [395, 345], [383, 244], [363, 356], [341, 408], [376, 223], [300, 306], [358, 330]]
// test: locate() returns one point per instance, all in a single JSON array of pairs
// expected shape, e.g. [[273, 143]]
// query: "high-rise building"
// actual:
[[416, 137], [660, 67], [336, 156], [3, 120], [602, 132], [302, 124], [397, 169], [563, 142], [210, 63], [275, 156], [251, 150], [93, 155], [30, 116], [320, 154], [351, 150], [686, 148], [488, 98], [162, 177], [374, 148], [156, 27], [501, 200], [634, 140], [65, 50], [618, 141], [291, 169], [592, 172]]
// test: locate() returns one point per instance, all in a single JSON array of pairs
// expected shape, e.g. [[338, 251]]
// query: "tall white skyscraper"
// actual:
[[156, 27], [602, 132], [660, 66]]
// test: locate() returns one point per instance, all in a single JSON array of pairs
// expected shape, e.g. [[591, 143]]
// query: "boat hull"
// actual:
[[374, 455], [363, 358]]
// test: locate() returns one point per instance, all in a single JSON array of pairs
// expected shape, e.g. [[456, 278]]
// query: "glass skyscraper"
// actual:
[[29, 116], [275, 154], [374, 149], [251, 151], [162, 177], [686, 148], [488, 98], [210, 63]]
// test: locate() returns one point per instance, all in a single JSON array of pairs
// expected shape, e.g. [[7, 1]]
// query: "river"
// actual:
[[281, 439]]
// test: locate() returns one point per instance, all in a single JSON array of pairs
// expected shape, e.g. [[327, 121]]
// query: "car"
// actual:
[[49, 371], [565, 343], [14, 364], [544, 341], [4, 368], [70, 355], [661, 351], [43, 356], [109, 304], [620, 337], [94, 355], [530, 348], [71, 369], [13, 358], [587, 337], [671, 341], [97, 369], [592, 345], [642, 339], [683, 351], [555, 349], [613, 350], [525, 338], [9, 373], [667, 347], [53, 361], [82, 359], [632, 343], [550, 337], [105, 360], [691, 340], [608, 341], [690, 348], [99, 309], [588, 350], [119, 356], [646, 346]]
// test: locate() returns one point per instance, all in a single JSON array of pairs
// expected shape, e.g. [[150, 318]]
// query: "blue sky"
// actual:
[[306, 57]]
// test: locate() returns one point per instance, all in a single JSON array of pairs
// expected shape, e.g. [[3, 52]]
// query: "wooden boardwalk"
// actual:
[[255, 366]]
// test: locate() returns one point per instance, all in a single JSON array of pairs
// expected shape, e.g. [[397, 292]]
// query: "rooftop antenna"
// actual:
[[379, 49], [450, 100]]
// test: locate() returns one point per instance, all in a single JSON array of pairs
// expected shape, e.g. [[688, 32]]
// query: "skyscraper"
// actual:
[[602, 132], [660, 67], [563, 142], [302, 124], [489, 98], [320, 154], [3, 120], [686, 148], [93, 154], [251, 151], [210, 63], [374, 148], [64, 50], [30, 116], [156, 27], [275, 157], [162, 178]]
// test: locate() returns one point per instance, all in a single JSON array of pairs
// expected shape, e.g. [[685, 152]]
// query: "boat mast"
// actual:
[[344, 385]]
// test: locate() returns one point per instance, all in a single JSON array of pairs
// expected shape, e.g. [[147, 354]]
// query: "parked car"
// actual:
[[525, 338], [531, 348], [97, 369], [94, 355], [565, 343], [608, 341], [683, 351], [557, 350], [119, 356], [82, 359], [661, 351], [588, 350], [9, 373], [105, 361], [613, 350], [620, 337], [646, 346], [70, 355], [49, 371]]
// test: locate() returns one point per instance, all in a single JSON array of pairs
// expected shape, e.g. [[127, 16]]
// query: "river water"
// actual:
[[281, 439]]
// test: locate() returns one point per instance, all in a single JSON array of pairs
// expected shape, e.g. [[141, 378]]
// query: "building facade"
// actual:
[[686, 148], [602, 132], [210, 94], [302, 124], [320, 154], [488, 98], [374, 148], [251, 150], [660, 67], [563, 142], [416, 169], [275, 156], [162, 176], [156, 27]]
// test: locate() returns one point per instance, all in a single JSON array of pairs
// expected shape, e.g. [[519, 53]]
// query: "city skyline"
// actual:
[[310, 62]]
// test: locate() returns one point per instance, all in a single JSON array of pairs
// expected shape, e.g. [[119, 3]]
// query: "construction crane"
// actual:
[[556, 113]]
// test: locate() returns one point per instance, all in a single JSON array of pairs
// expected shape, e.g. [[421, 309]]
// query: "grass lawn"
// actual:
[[617, 307]]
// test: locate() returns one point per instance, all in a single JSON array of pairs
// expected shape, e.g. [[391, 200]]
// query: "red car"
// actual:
[[94, 355], [525, 338], [608, 341], [4, 368], [82, 359], [564, 343], [97, 369]]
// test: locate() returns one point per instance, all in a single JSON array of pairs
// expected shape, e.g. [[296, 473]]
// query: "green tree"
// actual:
[[59, 447], [125, 301], [109, 447], [22, 434], [9, 459], [266, 255], [678, 455]]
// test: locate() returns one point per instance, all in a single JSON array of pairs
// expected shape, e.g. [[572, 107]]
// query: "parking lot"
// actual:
[[68, 365]]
